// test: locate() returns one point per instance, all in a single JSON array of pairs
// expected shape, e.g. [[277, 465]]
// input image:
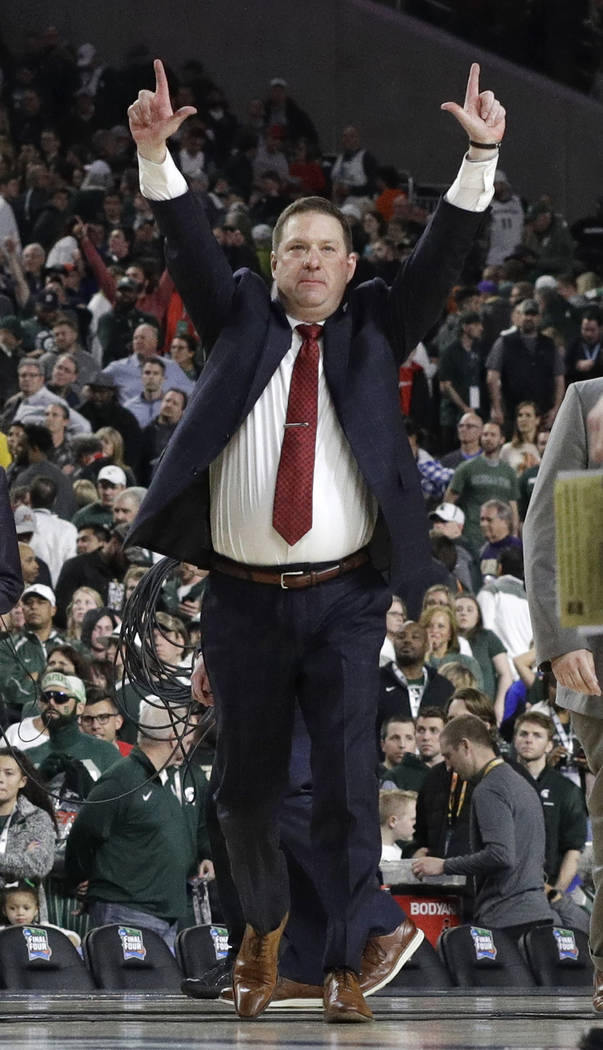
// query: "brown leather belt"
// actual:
[[288, 580]]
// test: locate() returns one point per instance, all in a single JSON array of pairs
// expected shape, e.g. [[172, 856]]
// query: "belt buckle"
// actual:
[[297, 572]]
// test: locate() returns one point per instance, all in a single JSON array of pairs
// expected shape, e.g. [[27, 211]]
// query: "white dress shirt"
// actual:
[[243, 477]]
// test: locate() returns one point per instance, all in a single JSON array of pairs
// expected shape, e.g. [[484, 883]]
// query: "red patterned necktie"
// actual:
[[292, 513]]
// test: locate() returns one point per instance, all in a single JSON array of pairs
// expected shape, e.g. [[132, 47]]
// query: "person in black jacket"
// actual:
[[11, 579], [408, 684]]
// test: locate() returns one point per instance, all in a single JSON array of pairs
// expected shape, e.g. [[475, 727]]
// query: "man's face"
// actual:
[[101, 720], [428, 736], [7, 339], [38, 612], [394, 619], [87, 542], [493, 528], [474, 330], [29, 565], [58, 661], [54, 419], [590, 331], [64, 372], [311, 266], [152, 379], [144, 341], [410, 645], [16, 441], [542, 222], [459, 759], [528, 323], [168, 645], [491, 439], [33, 258], [532, 742], [180, 352], [469, 427], [124, 510], [400, 740], [30, 380], [350, 138], [541, 441], [101, 395], [112, 207], [108, 492], [58, 707], [452, 529], [118, 244], [171, 407], [65, 337]]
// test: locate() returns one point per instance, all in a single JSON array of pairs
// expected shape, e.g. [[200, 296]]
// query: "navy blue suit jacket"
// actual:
[[365, 340], [11, 579]]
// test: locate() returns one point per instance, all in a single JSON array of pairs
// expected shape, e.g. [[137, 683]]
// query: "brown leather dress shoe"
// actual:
[[256, 970], [343, 1000], [598, 991], [287, 994], [383, 957]]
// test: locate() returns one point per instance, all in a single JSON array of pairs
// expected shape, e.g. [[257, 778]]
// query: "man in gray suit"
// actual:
[[577, 661]]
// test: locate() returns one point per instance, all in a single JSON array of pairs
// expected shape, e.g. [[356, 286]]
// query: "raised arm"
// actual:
[[152, 119], [196, 262], [419, 292]]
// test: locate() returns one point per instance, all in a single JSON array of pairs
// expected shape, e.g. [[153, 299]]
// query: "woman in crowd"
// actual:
[[374, 227], [98, 623], [443, 640], [29, 826], [113, 450], [84, 600], [521, 452], [487, 649]]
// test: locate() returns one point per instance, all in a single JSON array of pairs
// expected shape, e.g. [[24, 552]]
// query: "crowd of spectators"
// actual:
[[98, 359], [560, 40]]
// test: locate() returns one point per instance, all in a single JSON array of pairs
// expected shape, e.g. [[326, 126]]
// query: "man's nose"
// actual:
[[312, 259]]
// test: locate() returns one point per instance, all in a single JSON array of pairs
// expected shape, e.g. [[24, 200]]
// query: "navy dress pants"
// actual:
[[265, 648], [304, 938]]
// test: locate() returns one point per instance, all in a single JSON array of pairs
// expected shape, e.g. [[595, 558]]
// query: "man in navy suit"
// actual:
[[300, 618], [11, 579]]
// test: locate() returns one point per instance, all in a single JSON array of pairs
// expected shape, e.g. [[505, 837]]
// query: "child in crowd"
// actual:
[[397, 814], [19, 906]]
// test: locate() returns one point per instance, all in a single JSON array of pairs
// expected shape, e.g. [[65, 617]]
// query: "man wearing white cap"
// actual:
[[110, 482], [448, 520], [23, 658]]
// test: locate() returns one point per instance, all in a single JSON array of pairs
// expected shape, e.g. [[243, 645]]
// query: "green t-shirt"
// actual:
[[484, 645], [476, 481]]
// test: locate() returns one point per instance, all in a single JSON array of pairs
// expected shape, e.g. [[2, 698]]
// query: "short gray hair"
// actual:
[[159, 720]]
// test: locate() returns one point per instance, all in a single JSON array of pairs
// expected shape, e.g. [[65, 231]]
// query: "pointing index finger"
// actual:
[[472, 92], [161, 84]]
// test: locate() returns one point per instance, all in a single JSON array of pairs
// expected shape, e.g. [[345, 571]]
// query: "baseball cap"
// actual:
[[546, 280], [12, 324], [67, 683], [103, 379], [24, 520], [529, 306], [41, 591], [48, 299], [448, 512], [128, 285], [278, 82], [114, 475]]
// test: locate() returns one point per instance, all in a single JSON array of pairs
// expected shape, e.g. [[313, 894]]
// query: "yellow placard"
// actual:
[[579, 533]]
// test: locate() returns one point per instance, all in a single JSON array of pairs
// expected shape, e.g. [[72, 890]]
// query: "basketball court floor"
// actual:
[[443, 1021]]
